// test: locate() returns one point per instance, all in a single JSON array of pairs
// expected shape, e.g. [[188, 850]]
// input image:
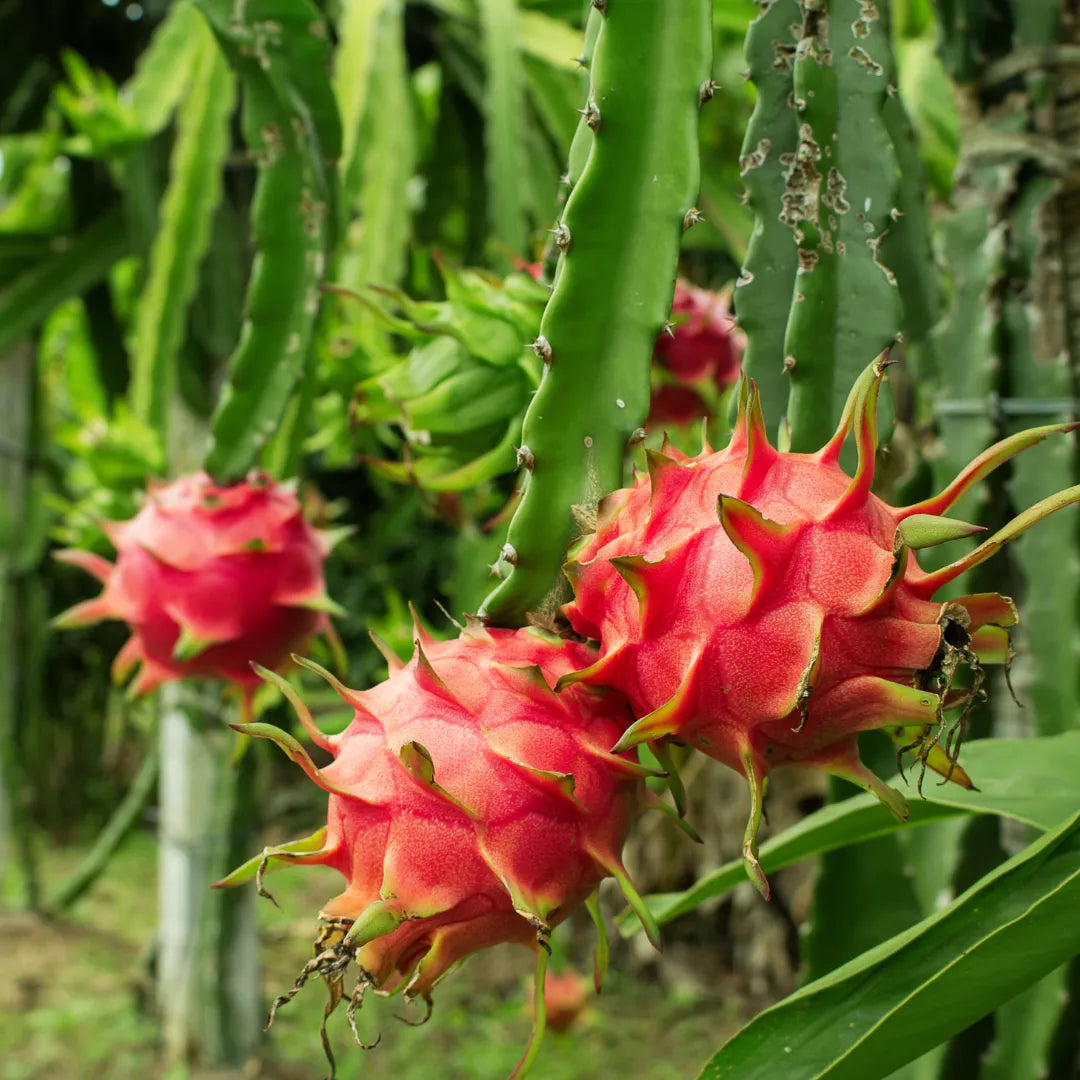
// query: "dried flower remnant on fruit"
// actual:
[[470, 805]]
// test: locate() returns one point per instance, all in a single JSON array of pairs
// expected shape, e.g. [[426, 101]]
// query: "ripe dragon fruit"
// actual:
[[765, 607], [469, 806], [209, 578], [697, 359], [565, 999]]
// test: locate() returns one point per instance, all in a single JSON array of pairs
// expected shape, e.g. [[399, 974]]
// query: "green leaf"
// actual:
[[183, 236], [890, 1005], [1036, 781]]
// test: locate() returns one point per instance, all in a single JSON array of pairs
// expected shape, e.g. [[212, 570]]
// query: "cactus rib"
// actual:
[[613, 288]]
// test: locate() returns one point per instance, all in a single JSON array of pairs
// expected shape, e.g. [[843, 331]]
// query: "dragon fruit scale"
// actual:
[[209, 578], [765, 607], [470, 805]]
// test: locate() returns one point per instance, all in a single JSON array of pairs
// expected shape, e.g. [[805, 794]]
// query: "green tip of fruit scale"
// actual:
[[754, 535], [755, 778], [293, 750], [320, 602], [536, 1038], [189, 645], [637, 902], [662, 752], [378, 919], [656, 725], [928, 584], [602, 951], [342, 691], [288, 691], [983, 465], [928, 530]]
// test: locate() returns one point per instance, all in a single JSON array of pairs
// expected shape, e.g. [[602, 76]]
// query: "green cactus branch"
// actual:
[[279, 49], [840, 200], [183, 235], [619, 237], [763, 290]]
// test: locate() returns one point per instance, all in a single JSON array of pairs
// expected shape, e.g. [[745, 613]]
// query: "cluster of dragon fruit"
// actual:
[[761, 607]]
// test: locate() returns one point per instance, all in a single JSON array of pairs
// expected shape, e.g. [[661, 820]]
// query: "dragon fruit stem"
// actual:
[[613, 291]]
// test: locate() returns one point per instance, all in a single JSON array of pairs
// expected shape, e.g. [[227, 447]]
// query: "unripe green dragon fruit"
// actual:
[[209, 578], [766, 607], [470, 805], [459, 395]]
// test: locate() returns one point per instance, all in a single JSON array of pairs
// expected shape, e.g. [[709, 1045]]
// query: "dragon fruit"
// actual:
[[469, 806], [209, 578], [765, 607], [697, 359]]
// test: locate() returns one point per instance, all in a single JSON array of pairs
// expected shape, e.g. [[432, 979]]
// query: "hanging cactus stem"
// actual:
[[648, 66]]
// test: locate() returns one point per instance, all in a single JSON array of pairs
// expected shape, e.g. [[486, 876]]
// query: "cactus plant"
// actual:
[[618, 237]]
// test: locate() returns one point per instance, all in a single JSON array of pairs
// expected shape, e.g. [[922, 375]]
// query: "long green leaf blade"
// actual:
[[1036, 781], [874, 1014]]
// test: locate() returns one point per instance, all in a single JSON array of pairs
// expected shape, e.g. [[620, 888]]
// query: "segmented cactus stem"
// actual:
[[621, 230]]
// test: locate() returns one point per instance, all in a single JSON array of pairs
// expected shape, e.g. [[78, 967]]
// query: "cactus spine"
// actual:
[[619, 240]]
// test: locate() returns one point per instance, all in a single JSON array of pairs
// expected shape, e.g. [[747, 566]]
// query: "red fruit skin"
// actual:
[[766, 607], [491, 843], [701, 355], [237, 569]]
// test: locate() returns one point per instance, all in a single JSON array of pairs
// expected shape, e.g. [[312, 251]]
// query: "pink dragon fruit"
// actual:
[[469, 806], [766, 607], [697, 359], [209, 578], [565, 999]]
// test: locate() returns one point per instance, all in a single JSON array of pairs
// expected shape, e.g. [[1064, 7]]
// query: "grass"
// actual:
[[76, 1001]]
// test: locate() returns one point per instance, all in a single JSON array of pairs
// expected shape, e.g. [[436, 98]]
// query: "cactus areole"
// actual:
[[209, 579], [470, 805], [766, 607]]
